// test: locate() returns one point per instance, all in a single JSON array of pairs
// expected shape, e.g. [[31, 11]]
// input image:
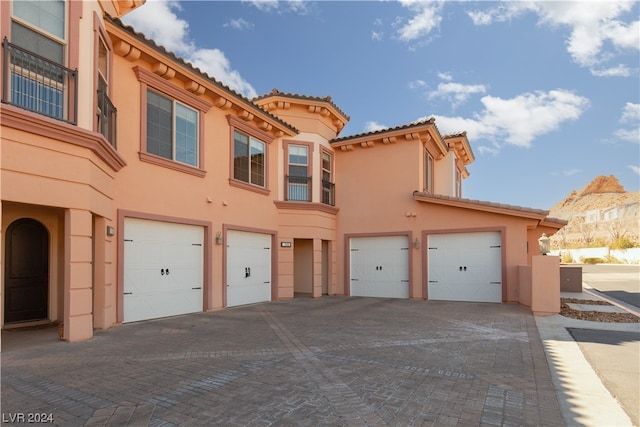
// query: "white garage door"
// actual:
[[163, 269], [465, 267], [379, 266], [248, 268]]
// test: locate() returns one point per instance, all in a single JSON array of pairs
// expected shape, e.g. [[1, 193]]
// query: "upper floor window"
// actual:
[[328, 197], [428, 172], [39, 27], [298, 179], [458, 183], [106, 111], [35, 76], [171, 125], [172, 129], [248, 159]]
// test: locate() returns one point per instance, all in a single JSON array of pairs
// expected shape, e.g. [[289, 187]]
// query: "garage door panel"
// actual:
[[379, 266], [163, 269], [248, 268], [465, 267]]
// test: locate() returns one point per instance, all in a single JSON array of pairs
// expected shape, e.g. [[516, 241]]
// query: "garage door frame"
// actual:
[[425, 253], [206, 252], [347, 257], [274, 257]]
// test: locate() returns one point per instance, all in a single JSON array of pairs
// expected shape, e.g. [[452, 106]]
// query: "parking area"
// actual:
[[329, 361]]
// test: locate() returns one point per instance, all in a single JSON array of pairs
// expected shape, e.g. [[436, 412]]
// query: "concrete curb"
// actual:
[[583, 399]]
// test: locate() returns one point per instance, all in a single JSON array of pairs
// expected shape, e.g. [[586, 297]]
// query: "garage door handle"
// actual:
[[196, 288], [127, 293]]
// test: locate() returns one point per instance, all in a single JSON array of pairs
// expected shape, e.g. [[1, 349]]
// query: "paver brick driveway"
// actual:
[[329, 361]]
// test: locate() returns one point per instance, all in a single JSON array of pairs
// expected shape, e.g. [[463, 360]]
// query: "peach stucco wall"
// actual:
[[72, 181], [374, 193], [545, 285]]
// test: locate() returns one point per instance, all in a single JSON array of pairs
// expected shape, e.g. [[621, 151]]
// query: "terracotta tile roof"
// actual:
[[276, 92], [172, 56], [485, 205], [455, 134], [430, 121]]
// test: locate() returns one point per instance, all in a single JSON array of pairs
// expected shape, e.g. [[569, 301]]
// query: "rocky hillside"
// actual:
[[601, 212]]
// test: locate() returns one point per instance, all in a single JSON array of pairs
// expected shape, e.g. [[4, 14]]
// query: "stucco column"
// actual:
[[104, 314], [317, 268], [545, 285], [78, 319]]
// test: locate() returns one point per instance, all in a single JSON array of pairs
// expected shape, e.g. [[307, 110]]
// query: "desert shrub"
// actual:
[[622, 243], [566, 258], [592, 260], [610, 259]]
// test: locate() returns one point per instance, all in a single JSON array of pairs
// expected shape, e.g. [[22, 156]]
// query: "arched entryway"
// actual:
[[26, 280]]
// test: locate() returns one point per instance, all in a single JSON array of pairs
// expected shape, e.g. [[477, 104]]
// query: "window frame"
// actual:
[[242, 126], [150, 81], [102, 38], [310, 168], [331, 169], [62, 41], [428, 171]]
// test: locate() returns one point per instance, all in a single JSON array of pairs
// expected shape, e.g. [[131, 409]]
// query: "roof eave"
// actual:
[[477, 205]]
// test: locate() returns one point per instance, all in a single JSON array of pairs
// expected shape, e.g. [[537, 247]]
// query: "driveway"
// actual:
[[328, 361]]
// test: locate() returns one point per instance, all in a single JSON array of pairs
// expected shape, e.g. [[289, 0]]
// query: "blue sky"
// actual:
[[548, 92]]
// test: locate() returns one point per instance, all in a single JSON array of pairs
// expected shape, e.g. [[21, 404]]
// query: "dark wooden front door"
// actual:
[[26, 271]]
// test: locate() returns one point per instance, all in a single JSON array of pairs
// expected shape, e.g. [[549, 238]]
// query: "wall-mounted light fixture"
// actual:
[[416, 243], [544, 243], [111, 231], [218, 238]]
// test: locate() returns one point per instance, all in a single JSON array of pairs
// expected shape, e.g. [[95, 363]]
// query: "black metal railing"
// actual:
[[107, 118], [328, 193], [298, 188], [37, 84]]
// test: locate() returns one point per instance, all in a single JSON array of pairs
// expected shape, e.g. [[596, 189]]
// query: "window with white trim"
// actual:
[[248, 159], [172, 129], [327, 179], [298, 180], [428, 172]]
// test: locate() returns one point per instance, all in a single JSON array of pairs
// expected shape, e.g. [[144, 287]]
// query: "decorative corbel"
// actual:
[[223, 103]]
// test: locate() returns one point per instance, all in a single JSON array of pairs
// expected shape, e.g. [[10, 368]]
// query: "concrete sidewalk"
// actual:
[[581, 371], [329, 361]]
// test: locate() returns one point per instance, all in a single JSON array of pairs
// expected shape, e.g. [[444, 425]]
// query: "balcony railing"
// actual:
[[38, 84], [328, 193], [298, 188], [106, 118]]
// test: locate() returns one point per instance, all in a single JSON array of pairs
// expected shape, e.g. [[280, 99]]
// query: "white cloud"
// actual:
[[239, 24], [377, 35], [373, 126], [263, 5], [426, 18], [417, 84], [595, 26], [457, 93], [571, 172], [300, 7], [631, 118], [158, 20], [635, 169], [445, 76], [517, 121]]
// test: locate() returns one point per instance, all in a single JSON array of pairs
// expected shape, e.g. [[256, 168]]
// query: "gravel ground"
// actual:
[[594, 316]]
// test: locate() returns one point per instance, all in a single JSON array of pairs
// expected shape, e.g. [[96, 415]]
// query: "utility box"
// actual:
[[570, 278]]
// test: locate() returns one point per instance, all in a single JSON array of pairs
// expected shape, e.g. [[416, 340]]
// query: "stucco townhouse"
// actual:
[[134, 186]]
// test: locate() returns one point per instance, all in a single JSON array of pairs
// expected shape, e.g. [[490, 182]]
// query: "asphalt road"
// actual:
[[619, 281]]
